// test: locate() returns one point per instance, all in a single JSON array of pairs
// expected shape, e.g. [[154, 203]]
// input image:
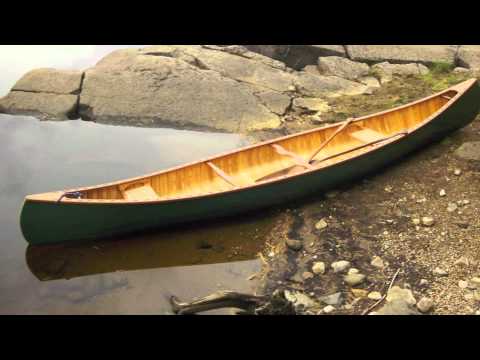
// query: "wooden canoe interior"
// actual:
[[253, 165]]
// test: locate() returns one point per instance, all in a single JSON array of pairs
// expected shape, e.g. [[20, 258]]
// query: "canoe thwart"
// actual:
[[372, 143], [296, 158], [222, 174], [333, 136], [296, 169]]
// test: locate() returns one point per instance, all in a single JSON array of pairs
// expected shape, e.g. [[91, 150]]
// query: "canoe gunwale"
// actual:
[[459, 88]]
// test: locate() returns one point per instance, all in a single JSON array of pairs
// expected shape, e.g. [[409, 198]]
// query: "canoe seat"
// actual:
[[139, 191], [367, 135]]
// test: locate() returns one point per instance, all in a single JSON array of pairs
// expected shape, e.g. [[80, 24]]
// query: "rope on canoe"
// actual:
[[70, 195]]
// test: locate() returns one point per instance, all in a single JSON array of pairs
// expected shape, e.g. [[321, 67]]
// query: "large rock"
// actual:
[[312, 105], [42, 105], [244, 69], [342, 67], [386, 71], [159, 90], [403, 54], [327, 86], [50, 81], [45, 93], [220, 87], [276, 102], [278, 52], [298, 56], [469, 56]]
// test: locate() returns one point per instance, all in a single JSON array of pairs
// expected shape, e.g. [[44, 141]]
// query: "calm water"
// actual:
[[129, 275], [132, 275]]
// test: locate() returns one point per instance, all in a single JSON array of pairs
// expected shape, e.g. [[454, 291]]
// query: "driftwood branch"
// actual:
[[218, 300], [276, 304]]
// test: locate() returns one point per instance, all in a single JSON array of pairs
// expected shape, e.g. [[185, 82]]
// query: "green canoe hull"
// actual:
[[49, 223]]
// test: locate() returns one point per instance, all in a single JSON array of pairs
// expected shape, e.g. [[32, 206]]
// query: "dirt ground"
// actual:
[[377, 217]]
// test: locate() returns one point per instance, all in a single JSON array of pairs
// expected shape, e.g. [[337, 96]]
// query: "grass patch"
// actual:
[[441, 76], [441, 81], [441, 67]]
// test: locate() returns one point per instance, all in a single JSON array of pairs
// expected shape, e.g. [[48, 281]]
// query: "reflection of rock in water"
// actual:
[[81, 290]]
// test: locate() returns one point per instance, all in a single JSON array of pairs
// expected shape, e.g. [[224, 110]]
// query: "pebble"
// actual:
[[332, 194], [374, 295], [428, 221], [452, 207], [328, 309], [334, 299], [307, 275], [462, 284], [359, 293], [397, 307], [462, 224], [318, 268], [377, 262], [416, 221], [354, 279], [322, 224], [457, 172], [396, 293], [339, 266], [353, 271], [443, 193], [299, 299], [462, 261], [440, 272], [295, 245], [423, 282], [425, 305]]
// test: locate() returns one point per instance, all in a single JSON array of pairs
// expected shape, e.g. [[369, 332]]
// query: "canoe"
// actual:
[[255, 177]]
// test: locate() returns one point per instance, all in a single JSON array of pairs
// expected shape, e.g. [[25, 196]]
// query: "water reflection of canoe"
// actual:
[[216, 242], [256, 176]]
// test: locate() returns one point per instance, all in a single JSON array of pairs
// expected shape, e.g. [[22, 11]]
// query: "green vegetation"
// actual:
[[441, 76], [441, 67]]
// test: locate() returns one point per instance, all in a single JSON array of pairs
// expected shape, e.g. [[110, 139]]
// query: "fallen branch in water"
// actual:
[[384, 296], [218, 300], [251, 304]]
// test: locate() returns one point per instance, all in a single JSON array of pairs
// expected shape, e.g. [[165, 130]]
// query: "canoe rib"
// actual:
[[237, 170]]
